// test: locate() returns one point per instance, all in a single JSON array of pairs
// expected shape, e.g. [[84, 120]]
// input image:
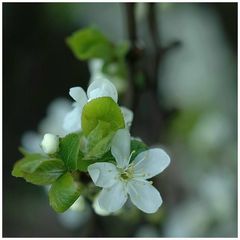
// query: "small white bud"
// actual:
[[50, 143]]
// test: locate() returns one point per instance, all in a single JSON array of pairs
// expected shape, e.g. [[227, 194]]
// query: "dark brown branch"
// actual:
[[158, 53], [153, 30], [132, 56], [131, 23], [152, 23]]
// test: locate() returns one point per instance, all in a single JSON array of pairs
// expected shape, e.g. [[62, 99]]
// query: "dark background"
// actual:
[[37, 68]]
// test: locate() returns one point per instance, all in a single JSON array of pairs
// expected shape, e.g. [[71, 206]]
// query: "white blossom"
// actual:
[[95, 68], [50, 143], [128, 116], [100, 87], [123, 179], [51, 123]]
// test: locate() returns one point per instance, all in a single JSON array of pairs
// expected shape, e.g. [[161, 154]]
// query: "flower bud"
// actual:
[[50, 143]]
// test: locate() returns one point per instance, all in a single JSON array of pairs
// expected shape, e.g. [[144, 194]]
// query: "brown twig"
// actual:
[[134, 54]]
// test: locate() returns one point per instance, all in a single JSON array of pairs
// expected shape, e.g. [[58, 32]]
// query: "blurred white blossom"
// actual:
[[52, 123], [76, 216], [212, 131], [214, 203], [95, 67]]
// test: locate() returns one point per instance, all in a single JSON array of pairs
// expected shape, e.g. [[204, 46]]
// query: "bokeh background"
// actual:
[[197, 86]]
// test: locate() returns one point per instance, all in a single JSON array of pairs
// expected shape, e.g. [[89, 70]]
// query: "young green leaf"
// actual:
[[28, 164], [107, 157], [39, 169], [23, 151], [90, 43], [83, 164], [99, 140], [69, 148], [102, 109], [47, 172], [138, 147], [63, 193], [100, 148]]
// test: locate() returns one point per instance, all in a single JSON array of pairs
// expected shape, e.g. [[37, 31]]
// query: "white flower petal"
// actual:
[[144, 195], [96, 93], [98, 210], [103, 174], [102, 87], [150, 163], [79, 95], [121, 147], [31, 141], [128, 116], [72, 120], [95, 66], [113, 198]]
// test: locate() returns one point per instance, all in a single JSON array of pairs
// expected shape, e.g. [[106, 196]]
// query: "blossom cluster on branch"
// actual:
[[97, 146]]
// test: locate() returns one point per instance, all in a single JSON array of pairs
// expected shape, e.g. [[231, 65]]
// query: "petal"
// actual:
[[102, 87], [98, 210], [121, 147], [79, 95], [150, 163], [128, 116], [31, 141], [103, 174], [72, 120], [113, 198], [95, 66], [144, 196]]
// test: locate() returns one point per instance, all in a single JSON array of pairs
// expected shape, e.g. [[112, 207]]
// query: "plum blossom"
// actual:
[[100, 87], [95, 68], [124, 178], [128, 116]]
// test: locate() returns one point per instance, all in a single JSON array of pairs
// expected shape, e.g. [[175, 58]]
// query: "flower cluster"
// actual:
[[97, 143]]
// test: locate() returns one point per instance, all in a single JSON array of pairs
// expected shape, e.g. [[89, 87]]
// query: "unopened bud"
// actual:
[[50, 143]]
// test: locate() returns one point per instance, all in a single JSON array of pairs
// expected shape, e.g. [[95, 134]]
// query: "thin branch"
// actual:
[[132, 55], [131, 23], [152, 23]]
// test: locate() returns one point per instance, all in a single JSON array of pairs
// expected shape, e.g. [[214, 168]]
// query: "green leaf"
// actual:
[[63, 193], [83, 164], [101, 118], [90, 43], [107, 157], [138, 147], [69, 148], [99, 140], [47, 172], [23, 151], [102, 109], [100, 148], [27, 165], [39, 169]]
